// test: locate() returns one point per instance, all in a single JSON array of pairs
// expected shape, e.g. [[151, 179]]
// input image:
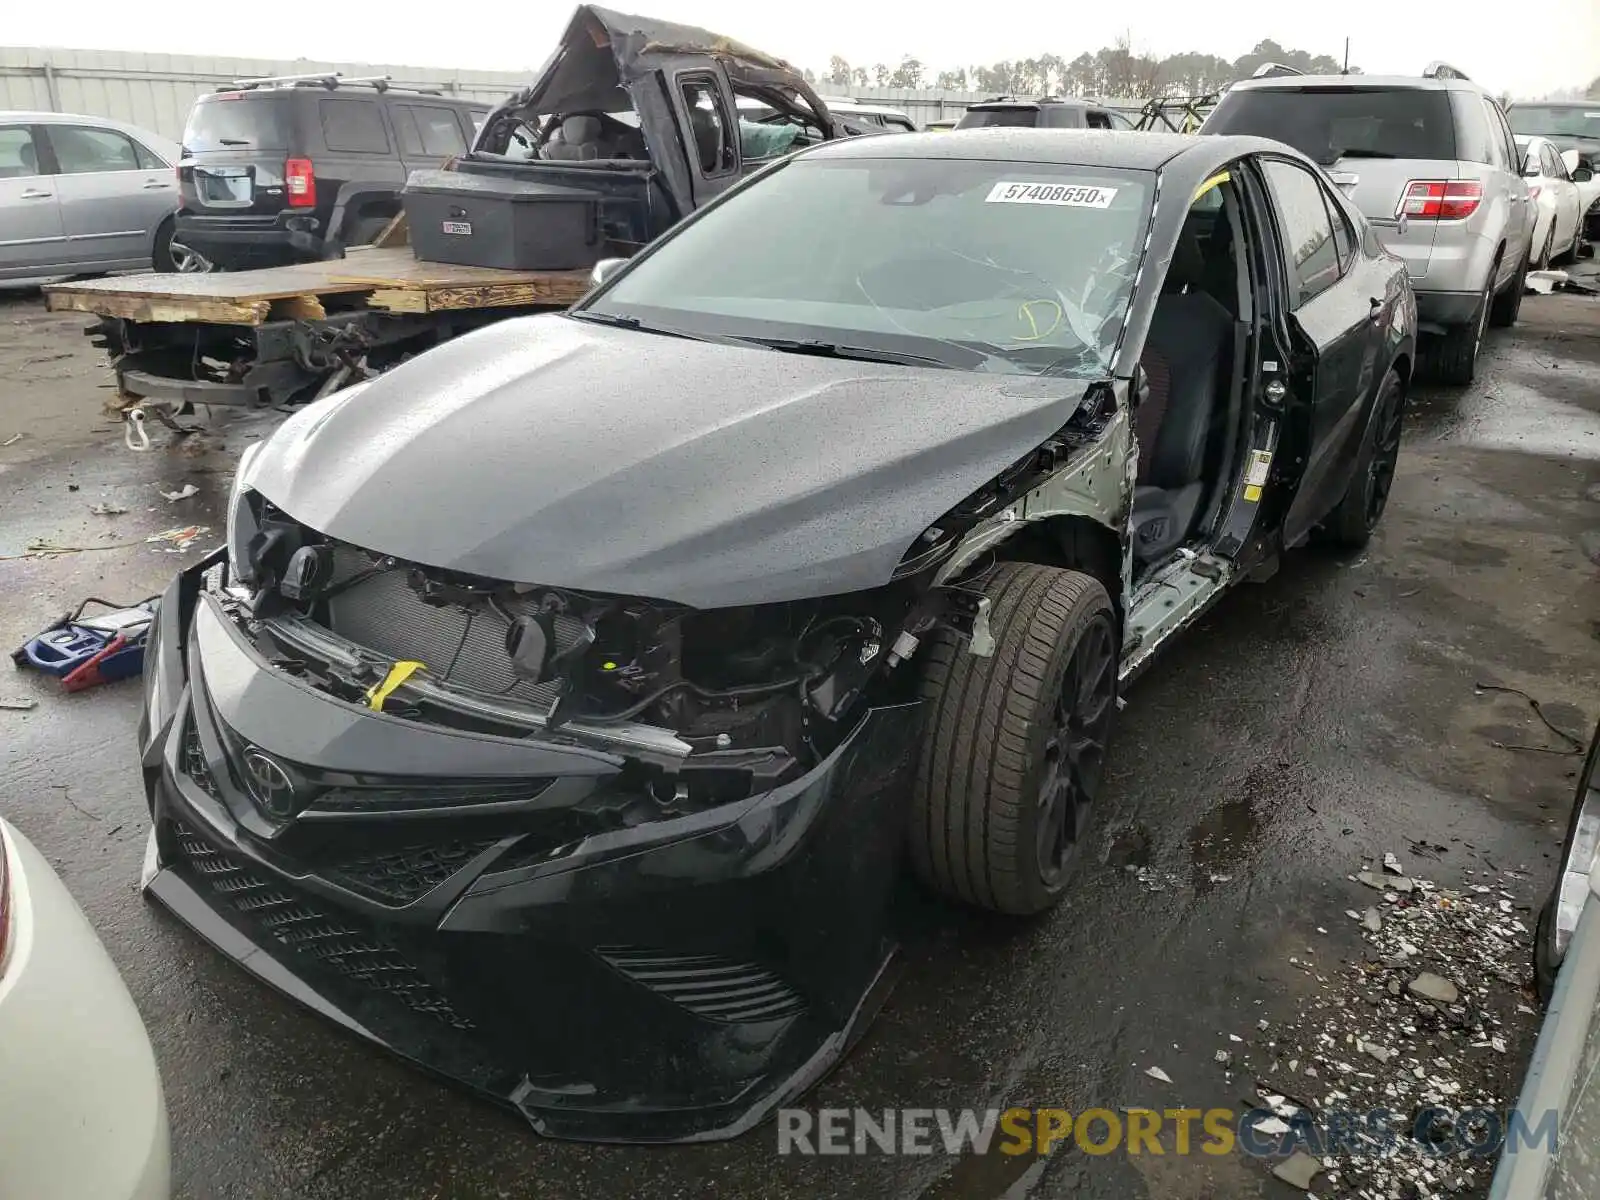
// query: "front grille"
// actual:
[[193, 763], [303, 925], [400, 876], [460, 646], [708, 985]]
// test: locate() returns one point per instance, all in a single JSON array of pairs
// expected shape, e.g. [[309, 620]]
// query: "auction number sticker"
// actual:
[[1069, 195]]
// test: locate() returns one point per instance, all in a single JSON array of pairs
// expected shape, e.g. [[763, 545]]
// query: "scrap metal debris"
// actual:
[[1158, 1073], [1420, 1019], [18, 703], [1298, 1170], [106, 510], [180, 538], [182, 493], [15, 437]]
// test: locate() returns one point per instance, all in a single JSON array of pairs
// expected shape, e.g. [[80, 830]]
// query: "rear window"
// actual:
[[981, 118], [353, 125], [1556, 120], [1327, 124], [236, 121]]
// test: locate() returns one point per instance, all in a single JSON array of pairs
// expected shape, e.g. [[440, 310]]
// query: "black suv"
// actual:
[[294, 169], [1046, 112]]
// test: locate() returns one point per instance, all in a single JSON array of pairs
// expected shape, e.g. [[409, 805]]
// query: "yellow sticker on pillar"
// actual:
[[1255, 475]]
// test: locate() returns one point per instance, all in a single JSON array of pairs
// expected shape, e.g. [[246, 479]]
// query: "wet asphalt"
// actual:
[[1324, 716]]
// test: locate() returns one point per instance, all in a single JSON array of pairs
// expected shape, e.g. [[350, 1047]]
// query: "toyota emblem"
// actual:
[[269, 782]]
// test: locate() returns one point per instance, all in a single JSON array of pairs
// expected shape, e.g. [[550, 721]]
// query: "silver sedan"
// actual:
[[83, 195]]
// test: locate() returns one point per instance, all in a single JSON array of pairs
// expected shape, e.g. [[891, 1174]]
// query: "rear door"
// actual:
[[429, 133], [1505, 192], [1372, 141], [705, 111], [31, 236], [1569, 206], [1332, 310], [113, 192]]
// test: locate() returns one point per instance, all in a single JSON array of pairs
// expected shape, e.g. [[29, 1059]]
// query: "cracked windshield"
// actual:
[[1013, 267]]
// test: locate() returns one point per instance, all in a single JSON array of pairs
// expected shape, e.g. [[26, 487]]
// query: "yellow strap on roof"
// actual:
[[1219, 177], [398, 674]]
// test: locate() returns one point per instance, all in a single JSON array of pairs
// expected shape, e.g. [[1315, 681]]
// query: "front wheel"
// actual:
[[1014, 747], [1351, 523]]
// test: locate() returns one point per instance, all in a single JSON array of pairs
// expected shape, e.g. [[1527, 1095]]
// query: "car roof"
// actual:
[[1419, 83], [841, 104], [1554, 104], [61, 118], [1067, 147]]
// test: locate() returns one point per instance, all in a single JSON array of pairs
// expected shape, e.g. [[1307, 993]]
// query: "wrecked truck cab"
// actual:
[[632, 124], [566, 700]]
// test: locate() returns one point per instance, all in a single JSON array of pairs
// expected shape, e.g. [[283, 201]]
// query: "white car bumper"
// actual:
[[81, 1109]]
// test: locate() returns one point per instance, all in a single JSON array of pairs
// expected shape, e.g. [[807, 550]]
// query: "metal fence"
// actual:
[[155, 91]]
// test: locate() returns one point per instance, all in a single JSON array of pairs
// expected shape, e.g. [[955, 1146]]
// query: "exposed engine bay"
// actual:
[[746, 697]]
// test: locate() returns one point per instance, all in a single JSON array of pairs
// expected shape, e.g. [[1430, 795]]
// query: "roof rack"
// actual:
[[327, 79], [1443, 70], [1270, 69]]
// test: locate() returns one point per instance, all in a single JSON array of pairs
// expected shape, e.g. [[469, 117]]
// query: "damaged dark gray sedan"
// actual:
[[564, 701]]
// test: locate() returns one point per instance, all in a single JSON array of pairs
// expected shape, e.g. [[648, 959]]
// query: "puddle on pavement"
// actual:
[[1220, 841], [1520, 402]]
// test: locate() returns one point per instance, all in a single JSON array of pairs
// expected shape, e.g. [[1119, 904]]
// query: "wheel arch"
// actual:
[[1074, 542]]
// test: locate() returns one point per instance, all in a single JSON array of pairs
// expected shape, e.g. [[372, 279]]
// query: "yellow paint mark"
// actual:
[[1252, 493], [398, 674]]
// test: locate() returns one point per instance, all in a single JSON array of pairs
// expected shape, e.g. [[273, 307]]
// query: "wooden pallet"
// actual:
[[389, 278]]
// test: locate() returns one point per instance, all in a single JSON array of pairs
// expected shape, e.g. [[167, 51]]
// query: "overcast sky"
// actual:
[[1527, 49]]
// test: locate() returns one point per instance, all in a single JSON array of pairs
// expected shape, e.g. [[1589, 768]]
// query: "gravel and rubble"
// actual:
[[1418, 1022]]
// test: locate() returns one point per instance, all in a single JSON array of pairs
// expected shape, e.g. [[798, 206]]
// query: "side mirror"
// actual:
[[604, 270], [1570, 157], [1582, 175]]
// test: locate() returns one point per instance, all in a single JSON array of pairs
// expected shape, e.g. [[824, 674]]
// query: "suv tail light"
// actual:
[[301, 183], [1440, 199]]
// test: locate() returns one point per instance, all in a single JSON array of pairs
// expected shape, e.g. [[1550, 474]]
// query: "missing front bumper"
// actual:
[[673, 981]]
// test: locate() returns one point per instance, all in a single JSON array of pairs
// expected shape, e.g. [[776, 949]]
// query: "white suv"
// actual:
[[1431, 162]]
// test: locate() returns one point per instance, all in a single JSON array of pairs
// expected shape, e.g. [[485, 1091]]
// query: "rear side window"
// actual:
[[1329, 123], [1506, 146], [83, 151], [237, 121], [1097, 120], [708, 120], [353, 125], [429, 129], [149, 160], [1305, 230], [983, 118], [18, 156]]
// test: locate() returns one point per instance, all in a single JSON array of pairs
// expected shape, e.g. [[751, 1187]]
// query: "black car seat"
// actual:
[[1184, 352]]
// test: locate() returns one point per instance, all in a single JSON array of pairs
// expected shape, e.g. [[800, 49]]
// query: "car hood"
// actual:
[[548, 450]]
